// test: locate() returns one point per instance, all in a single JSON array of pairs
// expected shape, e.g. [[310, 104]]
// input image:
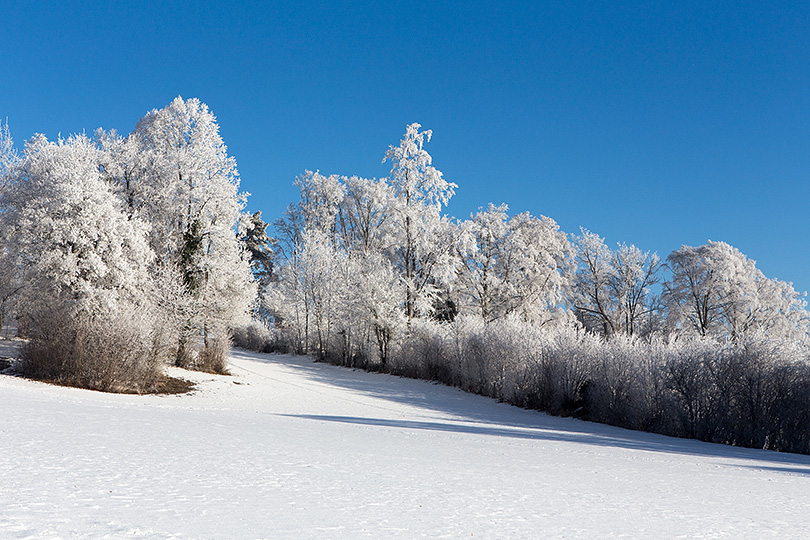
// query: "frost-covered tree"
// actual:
[[321, 286], [174, 170], [375, 292], [716, 290], [636, 273], [483, 251], [422, 240], [335, 289], [287, 305], [309, 293], [612, 289], [592, 285], [305, 233], [125, 168], [316, 210], [700, 285], [89, 300], [363, 214], [360, 220], [782, 311], [8, 155], [321, 197], [9, 273], [541, 263], [515, 266]]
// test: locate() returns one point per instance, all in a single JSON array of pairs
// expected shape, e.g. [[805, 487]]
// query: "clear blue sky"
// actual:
[[645, 122]]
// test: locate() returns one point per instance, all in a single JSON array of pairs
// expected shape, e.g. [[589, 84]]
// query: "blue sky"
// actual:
[[653, 123]]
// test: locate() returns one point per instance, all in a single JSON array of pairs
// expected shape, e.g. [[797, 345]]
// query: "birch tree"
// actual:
[[422, 240]]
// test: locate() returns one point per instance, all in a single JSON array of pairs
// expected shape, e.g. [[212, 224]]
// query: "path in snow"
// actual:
[[286, 448]]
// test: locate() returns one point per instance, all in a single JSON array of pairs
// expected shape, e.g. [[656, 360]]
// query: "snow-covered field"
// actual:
[[286, 448]]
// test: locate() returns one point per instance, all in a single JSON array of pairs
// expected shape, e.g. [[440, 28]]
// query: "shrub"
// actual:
[[255, 336], [212, 358], [115, 354], [751, 392]]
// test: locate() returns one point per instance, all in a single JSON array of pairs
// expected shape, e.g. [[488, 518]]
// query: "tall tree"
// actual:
[[515, 266], [8, 155], [717, 290], [613, 288], [253, 234], [422, 240], [187, 186], [259, 246], [9, 275], [69, 231]]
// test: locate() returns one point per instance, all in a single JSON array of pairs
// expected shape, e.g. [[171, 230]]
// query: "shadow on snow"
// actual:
[[470, 411]]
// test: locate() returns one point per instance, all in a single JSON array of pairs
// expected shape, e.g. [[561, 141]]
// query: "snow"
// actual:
[[288, 448]]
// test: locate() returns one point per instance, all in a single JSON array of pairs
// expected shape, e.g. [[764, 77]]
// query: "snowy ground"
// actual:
[[291, 449]]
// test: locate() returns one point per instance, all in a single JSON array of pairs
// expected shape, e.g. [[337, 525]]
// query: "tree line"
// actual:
[[371, 273]]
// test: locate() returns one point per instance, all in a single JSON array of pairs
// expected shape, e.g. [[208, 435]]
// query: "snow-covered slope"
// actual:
[[287, 448]]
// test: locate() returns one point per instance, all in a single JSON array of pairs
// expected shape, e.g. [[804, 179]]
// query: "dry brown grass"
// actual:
[[212, 359], [164, 384]]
